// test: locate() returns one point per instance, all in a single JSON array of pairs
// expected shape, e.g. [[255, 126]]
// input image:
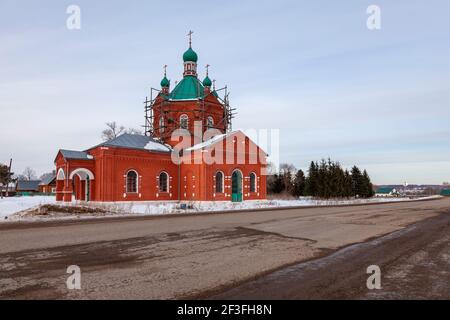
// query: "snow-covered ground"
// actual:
[[210, 206], [13, 205], [10, 206]]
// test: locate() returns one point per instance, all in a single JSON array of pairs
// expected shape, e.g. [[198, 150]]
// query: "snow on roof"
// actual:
[[209, 142], [135, 141], [156, 146]]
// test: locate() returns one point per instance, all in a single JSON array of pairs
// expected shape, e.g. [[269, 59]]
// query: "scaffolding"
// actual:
[[164, 107]]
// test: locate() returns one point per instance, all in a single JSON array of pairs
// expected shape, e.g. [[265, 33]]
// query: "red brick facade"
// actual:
[[232, 168], [104, 177]]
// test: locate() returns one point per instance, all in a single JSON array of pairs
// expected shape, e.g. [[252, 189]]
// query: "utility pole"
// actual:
[[8, 178]]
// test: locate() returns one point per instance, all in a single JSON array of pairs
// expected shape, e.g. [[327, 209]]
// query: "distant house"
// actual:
[[386, 192], [11, 190], [27, 187], [445, 192], [48, 185]]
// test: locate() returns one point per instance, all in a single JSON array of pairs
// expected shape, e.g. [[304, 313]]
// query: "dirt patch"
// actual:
[[51, 210]]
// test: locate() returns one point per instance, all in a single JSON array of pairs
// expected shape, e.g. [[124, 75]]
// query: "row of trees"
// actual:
[[27, 175], [325, 179]]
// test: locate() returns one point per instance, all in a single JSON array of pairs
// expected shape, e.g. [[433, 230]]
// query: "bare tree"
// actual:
[[287, 173], [134, 131], [287, 168], [112, 131], [29, 174]]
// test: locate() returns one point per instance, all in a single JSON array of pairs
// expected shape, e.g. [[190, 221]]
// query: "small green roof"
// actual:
[[445, 192], [190, 55], [188, 88], [385, 190], [165, 82]]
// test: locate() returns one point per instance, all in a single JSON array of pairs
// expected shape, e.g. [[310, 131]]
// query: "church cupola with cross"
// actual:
[[191, 103], [165, 83], [190, 59], [207, 83]]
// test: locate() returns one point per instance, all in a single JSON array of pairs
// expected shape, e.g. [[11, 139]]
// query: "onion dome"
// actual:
[[207, 82], [165, 83], [190, 56]]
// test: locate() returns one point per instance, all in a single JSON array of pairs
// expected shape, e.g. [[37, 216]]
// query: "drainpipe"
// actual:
[[179, 178]]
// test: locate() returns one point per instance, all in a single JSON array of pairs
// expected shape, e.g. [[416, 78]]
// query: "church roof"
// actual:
[[189, 88], [135, 141], [76, 155], [385, 190], [28, 185], [48, 180]]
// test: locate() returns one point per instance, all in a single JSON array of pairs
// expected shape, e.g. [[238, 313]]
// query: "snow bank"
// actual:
[[157, 208], [12, 205]]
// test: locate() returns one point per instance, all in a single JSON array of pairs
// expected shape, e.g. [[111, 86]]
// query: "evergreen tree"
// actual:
[[5, 175], [358, 185], [276, 184], [299, 184], [312, 180], [367, 185], [348, 184], [322, 180]]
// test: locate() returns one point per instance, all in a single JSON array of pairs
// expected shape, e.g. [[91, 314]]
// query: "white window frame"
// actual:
[[210, 122], [222, 184], [167, 181], [184, 117], [255, 183], [137, 181]]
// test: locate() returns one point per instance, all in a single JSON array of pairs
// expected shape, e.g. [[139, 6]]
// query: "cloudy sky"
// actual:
[[376, 98]]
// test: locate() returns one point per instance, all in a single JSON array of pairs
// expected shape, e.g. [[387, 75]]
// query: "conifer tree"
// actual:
[[367, 185], [311, 181], [348, 184], [276, 185], [299, 184], [358, 182]]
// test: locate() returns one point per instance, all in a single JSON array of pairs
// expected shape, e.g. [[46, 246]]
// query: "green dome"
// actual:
[[165, 83], [207, 82], [190, 55]]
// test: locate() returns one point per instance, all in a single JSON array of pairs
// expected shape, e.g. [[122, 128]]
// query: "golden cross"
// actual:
[[190, 37], [207, 69], [165, 69], [214, 84]]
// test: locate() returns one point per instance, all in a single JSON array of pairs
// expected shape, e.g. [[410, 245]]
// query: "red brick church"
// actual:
[[188, 152]]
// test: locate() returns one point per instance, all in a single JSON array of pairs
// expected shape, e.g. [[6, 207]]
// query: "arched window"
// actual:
[[163, 182], [219, 182], [252, 182], [161, 125], [184, 121], [210, 122], [132, 181]]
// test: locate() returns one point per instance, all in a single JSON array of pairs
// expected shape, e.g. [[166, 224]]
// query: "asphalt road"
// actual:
[[414, 264], [234, 255]]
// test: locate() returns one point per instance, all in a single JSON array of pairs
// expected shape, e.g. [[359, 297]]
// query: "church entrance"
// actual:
[[236, 186], [82, 184]]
